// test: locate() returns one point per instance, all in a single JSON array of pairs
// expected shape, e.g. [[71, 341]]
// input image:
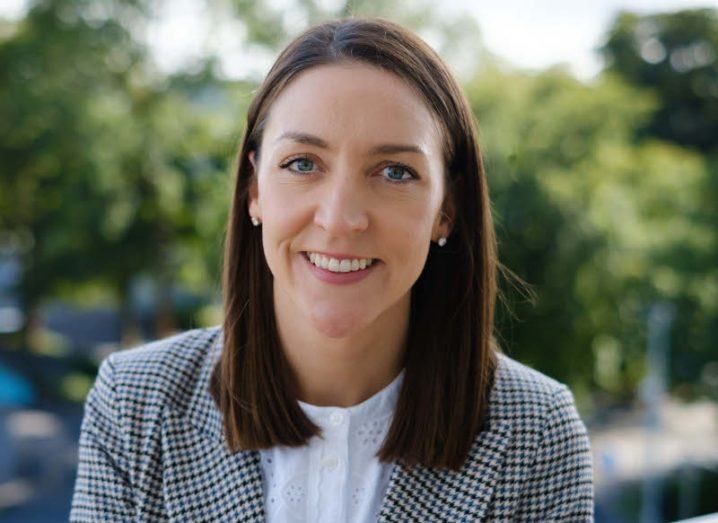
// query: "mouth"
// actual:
[[337, 266]]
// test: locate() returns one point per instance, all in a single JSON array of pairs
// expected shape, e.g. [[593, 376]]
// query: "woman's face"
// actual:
[[350, 166]]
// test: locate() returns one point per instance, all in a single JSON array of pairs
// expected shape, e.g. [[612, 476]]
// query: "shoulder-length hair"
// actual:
[[451, 354]]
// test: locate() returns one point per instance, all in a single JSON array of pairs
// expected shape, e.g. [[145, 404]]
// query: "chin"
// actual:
[[336, 325]]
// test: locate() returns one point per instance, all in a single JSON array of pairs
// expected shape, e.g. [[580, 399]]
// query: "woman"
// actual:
[[355, 376]]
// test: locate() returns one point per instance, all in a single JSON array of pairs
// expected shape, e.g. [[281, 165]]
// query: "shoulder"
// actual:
[[185, 346], [528, 398], [546, 445], [518, 378], [163, 373]]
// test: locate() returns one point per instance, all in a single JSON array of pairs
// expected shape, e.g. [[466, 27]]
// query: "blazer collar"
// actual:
[[201, 411], [414, 491]]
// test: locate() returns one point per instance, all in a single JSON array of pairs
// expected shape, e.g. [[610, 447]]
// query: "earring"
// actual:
[[442, 241], [255, 221]]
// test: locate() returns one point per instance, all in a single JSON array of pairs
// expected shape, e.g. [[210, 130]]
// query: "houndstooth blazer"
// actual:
[[152, 449]]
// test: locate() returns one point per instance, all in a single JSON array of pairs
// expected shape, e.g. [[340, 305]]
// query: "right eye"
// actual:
[[304, 164]]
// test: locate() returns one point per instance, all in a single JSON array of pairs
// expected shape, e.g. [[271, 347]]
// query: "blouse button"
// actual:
[[336, 418], [330, 462]]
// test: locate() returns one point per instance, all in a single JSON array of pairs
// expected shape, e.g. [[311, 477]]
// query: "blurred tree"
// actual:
[[592, 219], [53, 66], [105, 164], [676, 56]]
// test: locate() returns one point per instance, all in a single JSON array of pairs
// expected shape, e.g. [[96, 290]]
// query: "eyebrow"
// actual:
[[385, 148]]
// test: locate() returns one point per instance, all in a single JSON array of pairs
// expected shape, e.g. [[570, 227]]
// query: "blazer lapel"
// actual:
[[203, 480], [419, 493]]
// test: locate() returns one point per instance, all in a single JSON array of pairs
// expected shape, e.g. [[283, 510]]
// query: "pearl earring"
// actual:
[[255, 221], [442, 241]]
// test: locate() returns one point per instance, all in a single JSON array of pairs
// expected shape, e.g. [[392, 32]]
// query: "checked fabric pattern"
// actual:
[[151, 449]]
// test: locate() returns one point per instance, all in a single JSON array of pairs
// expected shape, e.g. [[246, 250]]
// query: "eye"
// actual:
[[397, 171], [302, 162]]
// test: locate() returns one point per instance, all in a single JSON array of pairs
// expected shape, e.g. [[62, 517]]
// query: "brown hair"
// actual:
[[451, 357]]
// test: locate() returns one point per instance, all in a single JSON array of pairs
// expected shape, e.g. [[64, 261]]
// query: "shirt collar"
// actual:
[[376, 407]]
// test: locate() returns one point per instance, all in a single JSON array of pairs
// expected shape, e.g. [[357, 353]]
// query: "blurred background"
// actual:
[[119, 123]]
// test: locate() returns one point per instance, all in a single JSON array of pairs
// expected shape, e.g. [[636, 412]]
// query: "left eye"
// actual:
[[301, 161], [397, 170]]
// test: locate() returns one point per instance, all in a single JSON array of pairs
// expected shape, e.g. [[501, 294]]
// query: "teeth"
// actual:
[[334, 265]]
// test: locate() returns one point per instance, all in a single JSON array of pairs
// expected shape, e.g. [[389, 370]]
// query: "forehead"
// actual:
[[356, 102]]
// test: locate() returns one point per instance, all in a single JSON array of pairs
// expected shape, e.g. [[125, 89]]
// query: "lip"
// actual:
[[338, 278]]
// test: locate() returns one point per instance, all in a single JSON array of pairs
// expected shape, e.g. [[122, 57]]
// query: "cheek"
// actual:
[[280, 224], [410, 233], [282, 210]]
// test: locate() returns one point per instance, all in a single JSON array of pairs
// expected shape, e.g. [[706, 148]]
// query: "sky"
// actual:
[[535, 34], [530, 34]]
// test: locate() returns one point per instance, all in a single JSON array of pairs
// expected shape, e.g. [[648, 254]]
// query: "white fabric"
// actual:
[[337, 478]]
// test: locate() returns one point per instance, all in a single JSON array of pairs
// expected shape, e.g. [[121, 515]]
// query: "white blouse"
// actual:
[[337, 478]]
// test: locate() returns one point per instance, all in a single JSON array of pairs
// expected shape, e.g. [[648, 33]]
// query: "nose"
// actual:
[[341, 209]]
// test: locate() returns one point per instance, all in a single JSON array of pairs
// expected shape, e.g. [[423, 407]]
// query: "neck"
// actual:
[[343, 372]]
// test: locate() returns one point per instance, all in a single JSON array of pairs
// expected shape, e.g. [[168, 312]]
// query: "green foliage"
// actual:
[[598, 221], [676, 56], [105, 166], [53, 67]]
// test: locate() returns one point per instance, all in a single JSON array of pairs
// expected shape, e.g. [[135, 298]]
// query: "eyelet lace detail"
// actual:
[[371, 433], [358, 496], [294, 492]]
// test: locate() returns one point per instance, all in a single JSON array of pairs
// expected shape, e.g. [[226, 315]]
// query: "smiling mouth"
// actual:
[[361, 263]]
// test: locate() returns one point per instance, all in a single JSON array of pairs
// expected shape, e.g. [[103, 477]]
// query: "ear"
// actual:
[[253, 193], [444, 223]]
